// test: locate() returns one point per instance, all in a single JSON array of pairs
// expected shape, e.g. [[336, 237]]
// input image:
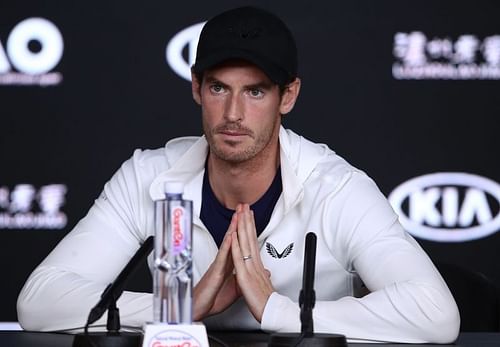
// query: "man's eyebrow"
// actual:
[[211, 79], [260, 85], [266, 85]]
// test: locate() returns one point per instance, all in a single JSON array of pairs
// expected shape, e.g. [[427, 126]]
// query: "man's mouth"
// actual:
[[233, 132]]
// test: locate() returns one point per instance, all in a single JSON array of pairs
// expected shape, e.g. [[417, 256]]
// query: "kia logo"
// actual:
[[185, 38], [448, 206]]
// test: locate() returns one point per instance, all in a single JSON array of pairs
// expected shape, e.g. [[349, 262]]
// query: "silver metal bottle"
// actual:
[[173, 281]]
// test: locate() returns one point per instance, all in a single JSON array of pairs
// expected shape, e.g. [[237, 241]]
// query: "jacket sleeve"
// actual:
[[408, 299], [68, 283]]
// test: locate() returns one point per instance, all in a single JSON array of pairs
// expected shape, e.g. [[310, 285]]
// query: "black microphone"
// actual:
[[108, 302], [307, 300], [307, 297]]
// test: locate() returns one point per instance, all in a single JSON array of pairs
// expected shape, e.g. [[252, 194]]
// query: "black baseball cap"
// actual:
[[251, 34]]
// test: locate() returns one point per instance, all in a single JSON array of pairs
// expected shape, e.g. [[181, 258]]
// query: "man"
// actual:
[[257, 189]]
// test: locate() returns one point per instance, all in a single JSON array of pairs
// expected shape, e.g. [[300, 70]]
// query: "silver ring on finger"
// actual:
[[247, 257]]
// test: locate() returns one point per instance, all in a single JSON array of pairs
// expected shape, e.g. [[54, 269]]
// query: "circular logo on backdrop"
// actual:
[[34, 47], [46, 35], [187, 38], [448, 206]]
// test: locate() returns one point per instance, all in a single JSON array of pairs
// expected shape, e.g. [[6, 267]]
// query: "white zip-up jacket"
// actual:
[[356, 229]]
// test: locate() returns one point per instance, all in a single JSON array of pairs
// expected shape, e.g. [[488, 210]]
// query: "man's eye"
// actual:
[[256, 93], [217, 88]]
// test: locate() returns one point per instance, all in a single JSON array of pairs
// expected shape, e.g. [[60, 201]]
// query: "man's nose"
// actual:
[[234, 108]]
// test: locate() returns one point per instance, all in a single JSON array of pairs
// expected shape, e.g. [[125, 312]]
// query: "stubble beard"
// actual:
[[233, 155]]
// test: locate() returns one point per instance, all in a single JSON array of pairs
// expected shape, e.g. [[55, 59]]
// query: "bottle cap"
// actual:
[[174, 187]]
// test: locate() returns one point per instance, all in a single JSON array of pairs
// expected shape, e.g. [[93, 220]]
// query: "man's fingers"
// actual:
[[247, 237], [253, 281], [253, 243], [206, 293], [237, 256], [244, 230], [224, 249], [236, 251], [251, 237]]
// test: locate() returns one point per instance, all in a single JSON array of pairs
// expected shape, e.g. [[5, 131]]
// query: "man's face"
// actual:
[[241, 111]]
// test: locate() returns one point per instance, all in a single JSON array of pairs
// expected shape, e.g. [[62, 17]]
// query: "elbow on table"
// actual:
[[444, 326], [34, 311], [29, 315]]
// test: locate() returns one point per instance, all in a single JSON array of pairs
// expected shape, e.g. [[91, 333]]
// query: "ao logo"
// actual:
[[187, 37], [19, 54], [448, 206]]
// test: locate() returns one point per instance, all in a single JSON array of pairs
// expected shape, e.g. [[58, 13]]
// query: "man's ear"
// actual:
[[195, 88], [289, 96]]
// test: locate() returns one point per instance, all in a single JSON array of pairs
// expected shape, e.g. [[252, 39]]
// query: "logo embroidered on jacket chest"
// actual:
[[275, 254]]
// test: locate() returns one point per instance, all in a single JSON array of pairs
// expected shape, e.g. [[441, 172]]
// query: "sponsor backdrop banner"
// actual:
[[406, 91]]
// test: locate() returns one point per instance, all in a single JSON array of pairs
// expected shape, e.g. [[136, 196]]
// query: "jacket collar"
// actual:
[[186, 159]]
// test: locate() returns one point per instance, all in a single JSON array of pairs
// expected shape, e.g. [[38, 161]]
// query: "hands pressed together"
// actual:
[[236, 271]]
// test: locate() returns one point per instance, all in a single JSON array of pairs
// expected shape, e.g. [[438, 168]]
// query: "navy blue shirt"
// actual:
[[217, 217]]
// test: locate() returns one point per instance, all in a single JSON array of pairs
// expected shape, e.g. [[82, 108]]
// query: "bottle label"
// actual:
[[179, 230]]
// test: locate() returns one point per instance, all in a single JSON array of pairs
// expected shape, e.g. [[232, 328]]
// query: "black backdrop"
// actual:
[[113, 91]]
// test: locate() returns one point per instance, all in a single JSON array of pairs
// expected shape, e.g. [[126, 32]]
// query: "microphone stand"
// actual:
[[113, 337], [307, 300]]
